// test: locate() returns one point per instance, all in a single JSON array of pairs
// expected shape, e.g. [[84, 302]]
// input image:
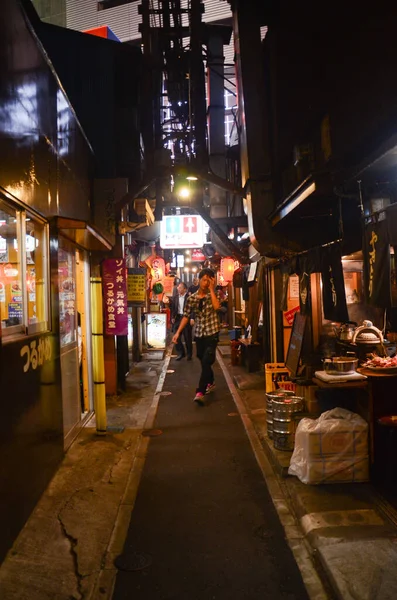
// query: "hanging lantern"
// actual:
[[157, 268], [227, 269]]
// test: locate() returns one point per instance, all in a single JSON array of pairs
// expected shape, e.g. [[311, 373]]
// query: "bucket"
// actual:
[[277, 395], [285, 420]]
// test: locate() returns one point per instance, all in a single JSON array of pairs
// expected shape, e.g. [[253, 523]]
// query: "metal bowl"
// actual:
[[340, 365]]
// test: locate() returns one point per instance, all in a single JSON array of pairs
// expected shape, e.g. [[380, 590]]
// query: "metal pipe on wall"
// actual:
[[98, 356]]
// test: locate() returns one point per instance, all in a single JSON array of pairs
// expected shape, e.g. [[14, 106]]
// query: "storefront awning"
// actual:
[[84, 235]]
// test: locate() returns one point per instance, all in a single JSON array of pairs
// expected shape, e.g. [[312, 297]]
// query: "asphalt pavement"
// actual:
[[183, 502], [204, 525]]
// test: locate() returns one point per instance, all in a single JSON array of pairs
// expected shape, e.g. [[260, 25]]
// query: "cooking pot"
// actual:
[[340, 365], [367, 334], [346, 331]]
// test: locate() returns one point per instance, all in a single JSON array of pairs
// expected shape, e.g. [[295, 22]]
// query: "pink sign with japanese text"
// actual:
[[114, 281]]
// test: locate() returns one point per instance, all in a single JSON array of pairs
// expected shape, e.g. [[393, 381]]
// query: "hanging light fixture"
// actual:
[[227, 269]]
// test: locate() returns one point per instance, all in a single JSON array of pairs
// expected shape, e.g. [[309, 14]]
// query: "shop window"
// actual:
[[36, 275], [23, 272], [67, 293], [11, 292]]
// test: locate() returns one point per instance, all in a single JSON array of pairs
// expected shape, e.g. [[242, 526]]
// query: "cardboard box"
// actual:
[[338, 471], [339, 443]]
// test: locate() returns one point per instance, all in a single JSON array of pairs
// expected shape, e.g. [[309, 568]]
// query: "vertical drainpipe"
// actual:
[[216, 121], [98, 355]]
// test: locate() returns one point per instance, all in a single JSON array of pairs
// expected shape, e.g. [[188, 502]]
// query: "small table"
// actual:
[[250, 354]]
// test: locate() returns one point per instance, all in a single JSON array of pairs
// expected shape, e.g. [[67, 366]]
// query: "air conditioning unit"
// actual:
[[143, 217]]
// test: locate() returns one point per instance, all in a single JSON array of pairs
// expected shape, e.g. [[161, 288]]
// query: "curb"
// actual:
[[299, 545]]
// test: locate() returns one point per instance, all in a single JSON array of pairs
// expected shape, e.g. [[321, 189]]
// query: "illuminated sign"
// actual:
[[182, 231], [156, 329]]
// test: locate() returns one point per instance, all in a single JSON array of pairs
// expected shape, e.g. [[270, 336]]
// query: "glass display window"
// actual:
[[36, 274], [11, 290], [24, 301], [67, 293]]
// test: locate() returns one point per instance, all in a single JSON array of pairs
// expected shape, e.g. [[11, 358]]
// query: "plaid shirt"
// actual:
[[206, 318]]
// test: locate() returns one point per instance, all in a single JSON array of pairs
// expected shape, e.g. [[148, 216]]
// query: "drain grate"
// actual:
[[133, 561], [115, 428], [151, 432]]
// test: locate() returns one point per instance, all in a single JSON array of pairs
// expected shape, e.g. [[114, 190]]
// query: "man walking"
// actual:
[[204, 304], [177, 311]]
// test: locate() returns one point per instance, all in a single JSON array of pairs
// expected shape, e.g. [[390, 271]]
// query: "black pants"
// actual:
[[186, 336], [206, 351]]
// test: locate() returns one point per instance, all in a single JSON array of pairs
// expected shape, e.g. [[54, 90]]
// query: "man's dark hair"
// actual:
[[183, 283], [208, 272]]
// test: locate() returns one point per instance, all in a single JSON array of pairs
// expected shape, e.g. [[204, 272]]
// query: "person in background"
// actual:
[[194, 287], [177, 310], [224, 305], [204, 304]]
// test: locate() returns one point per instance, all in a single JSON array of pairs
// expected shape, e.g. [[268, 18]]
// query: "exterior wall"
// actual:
[[339, 63], [51, 11], [102, 80], [45, 165], [124, 20], [45, 160]]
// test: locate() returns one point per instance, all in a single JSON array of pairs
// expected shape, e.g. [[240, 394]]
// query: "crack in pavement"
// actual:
[[73, 544]]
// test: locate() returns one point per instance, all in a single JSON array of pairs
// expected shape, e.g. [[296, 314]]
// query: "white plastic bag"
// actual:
[[331, 449]]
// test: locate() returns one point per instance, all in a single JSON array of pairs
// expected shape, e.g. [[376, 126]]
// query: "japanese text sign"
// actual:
[[136, 286], [182, 231], [115, 296], [289, 314]]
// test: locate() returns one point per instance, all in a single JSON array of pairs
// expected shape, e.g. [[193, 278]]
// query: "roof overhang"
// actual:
[[310, 214], [84, 235]]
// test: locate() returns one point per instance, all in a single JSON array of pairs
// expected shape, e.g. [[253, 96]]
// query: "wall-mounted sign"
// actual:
[[182, 231], [180, 260], [290, 314], [198, 256], [136, 286], [168, 284], [114, 275]]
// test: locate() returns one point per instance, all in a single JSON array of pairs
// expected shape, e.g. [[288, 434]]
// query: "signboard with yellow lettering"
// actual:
[[136, 286]]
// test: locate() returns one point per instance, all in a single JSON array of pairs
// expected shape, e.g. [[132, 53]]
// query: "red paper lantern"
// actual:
[[227, 269]]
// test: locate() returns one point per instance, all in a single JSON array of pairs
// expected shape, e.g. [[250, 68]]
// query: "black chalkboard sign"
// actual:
[[295, 344]]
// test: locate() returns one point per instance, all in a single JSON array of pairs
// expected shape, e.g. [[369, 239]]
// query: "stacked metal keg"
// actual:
[[282, 410]]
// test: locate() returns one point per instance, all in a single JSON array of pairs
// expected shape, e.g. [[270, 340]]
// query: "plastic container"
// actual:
[[274, 375], [235, 333]]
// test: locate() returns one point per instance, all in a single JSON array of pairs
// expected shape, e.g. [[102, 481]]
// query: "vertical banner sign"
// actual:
[[115, 296], [136, 286]]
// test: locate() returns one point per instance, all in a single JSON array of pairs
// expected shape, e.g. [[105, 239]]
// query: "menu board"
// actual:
[[156, 329], [295, 344], [136, 286]]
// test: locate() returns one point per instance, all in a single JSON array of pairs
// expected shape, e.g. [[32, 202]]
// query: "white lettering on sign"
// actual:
[[36, 353]]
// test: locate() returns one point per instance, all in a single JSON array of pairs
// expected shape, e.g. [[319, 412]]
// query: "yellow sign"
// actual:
[[136, 286]]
